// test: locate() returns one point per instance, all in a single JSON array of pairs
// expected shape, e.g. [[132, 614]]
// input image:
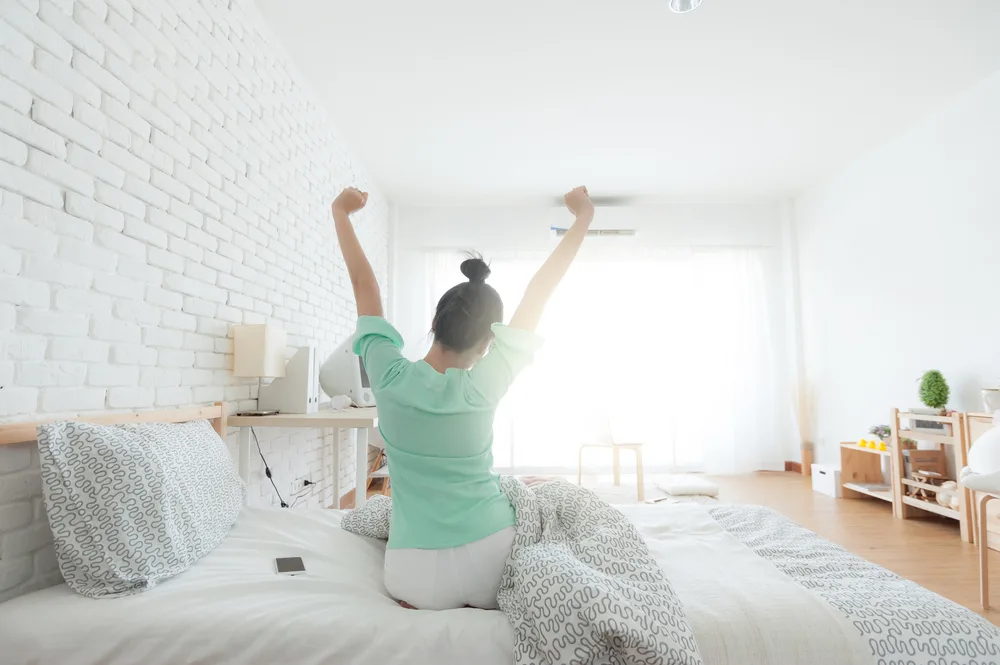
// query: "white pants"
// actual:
[[468, 575]]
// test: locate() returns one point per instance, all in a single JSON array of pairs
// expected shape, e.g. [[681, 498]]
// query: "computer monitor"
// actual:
[[344, 373]]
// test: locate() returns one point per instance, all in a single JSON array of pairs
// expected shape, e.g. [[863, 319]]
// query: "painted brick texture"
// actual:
[[165, 173]]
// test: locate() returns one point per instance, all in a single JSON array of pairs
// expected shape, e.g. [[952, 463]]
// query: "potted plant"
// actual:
[[934, 394], [883, 432]]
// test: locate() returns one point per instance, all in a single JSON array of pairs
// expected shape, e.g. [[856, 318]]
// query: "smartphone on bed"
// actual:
[[289, 565]]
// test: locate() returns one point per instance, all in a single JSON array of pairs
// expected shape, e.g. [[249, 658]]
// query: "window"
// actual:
[[673, 349]]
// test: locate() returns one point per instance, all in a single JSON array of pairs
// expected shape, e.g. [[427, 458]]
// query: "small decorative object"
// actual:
[[932, 478], [948, 494], [934, 390], [871, 445], [883, 432], [882, 447], [863, 443], [991, 399], [930, 468], [934, 394]]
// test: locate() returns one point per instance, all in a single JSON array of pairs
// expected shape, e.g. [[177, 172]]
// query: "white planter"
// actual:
[[991, 399], [930, 426]]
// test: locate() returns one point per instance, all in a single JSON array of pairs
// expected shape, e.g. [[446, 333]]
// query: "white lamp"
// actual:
[[258, 351]]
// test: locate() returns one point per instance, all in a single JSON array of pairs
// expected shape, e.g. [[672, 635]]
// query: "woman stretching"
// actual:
[[452, 528]]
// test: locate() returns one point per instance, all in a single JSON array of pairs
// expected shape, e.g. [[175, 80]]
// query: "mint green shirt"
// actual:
[[438, 432]]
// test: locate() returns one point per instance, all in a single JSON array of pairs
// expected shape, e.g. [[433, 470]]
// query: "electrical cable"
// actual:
[[267, 470]]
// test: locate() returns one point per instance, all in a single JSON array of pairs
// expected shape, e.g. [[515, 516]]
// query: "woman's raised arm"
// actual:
[[545, 281], [363, 281]]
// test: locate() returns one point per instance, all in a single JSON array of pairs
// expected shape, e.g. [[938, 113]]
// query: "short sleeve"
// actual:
[[512, 351], [379, 344]]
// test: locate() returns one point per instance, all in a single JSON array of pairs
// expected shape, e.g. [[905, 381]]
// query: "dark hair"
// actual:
[[466, 311]]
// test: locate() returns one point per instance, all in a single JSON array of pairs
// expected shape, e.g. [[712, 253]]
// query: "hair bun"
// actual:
[[476, 269]]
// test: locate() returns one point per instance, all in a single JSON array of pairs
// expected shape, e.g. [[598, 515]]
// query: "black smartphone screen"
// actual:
[[290, 564]]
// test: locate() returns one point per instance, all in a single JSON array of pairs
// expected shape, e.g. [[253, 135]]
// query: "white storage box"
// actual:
[[826, 479]]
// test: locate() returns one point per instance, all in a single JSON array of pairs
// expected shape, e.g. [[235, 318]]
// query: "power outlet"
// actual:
[[304, 484]]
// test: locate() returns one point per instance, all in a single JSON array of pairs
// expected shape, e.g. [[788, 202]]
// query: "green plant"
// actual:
[[934, 389], [881, 431]]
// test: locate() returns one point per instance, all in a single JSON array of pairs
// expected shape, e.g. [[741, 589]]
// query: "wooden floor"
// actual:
[[929, 552]]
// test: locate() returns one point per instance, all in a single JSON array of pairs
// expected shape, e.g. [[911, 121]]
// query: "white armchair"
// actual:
[[983, 475]]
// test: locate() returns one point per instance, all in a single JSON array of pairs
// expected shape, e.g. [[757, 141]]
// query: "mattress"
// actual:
[[231, 607]]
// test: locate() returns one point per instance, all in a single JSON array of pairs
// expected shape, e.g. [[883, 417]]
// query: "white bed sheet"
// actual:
[[232, 608]]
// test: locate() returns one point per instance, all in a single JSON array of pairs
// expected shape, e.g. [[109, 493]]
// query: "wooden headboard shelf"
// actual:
[[24, 431]]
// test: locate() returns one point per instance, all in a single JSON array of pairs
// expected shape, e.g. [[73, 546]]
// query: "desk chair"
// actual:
[[605, 439], [377, 469]]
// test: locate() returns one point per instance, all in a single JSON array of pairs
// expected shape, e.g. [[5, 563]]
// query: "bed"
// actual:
[[756, 588], [232, 608]]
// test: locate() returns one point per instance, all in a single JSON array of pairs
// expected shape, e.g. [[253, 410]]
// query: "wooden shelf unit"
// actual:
[[884, 495], [954, 434], [863, 466], [873, 451], [932, 507]]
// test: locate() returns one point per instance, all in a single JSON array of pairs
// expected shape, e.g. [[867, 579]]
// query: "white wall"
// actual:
[[900, 270], [164, 173]]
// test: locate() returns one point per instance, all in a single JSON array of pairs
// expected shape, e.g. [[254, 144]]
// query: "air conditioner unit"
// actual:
[[603, 233], [614, 218]]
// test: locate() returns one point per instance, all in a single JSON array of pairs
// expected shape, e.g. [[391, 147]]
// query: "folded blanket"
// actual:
[[580, 585]]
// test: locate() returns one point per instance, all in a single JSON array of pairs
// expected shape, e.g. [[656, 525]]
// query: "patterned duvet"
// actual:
[[734, 585]]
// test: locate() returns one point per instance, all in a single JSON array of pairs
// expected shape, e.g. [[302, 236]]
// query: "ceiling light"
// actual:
[[684, 6]]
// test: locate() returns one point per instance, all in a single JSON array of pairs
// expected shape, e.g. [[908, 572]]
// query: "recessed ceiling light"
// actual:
[[684, 6]]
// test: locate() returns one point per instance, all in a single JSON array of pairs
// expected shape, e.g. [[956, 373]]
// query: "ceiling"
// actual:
[[465, 100]]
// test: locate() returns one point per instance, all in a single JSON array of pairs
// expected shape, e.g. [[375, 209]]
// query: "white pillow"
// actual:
[[688, 485], [131, 505]]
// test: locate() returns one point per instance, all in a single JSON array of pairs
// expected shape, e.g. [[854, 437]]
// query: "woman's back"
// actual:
[[438, 431]]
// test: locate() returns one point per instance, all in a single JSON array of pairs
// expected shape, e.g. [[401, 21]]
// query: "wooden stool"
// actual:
[[616, 450]]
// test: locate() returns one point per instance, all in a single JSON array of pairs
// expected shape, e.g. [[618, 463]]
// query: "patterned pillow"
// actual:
[[131, 505]]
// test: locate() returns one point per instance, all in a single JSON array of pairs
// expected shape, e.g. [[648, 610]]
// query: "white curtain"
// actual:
[[673, 348]]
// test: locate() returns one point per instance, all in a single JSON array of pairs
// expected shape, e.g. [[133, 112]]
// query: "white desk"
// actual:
[[360, 420]]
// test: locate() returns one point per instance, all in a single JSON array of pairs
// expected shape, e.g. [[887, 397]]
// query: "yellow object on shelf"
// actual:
[[871, 444], [862, 443], [881, 446]]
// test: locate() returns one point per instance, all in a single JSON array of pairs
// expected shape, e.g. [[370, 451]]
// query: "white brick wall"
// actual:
[[164, 174]]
